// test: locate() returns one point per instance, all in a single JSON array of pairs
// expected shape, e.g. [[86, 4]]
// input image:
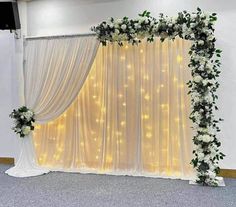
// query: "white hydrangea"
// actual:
[[123, 26], [26, 130], [197, 79], [200, 156], [205, 138], [200, 42]]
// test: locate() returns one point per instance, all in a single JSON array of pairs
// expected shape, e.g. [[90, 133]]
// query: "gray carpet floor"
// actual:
[[80, 190]]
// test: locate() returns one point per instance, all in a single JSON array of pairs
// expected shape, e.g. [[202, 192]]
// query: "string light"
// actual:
[[122, 123], [148, 134], [146, 77], [175, 79], [60, 126], [37, 127], [120, 95], [141, 51], [177, 119], [147, 97], [145, 116], [108, 158], [129, 66], [179, 58]]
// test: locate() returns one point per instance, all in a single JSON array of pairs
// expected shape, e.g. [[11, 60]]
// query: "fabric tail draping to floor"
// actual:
[[130, 118], [54, 72]]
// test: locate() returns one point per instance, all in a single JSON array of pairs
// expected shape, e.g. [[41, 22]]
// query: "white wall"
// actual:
[[7, 78], [52, 17]]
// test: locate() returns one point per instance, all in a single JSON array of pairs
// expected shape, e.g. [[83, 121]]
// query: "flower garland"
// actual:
[[24, 120], [204, 65]]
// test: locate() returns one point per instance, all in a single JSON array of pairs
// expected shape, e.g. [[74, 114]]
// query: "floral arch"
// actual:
[[204, 65]]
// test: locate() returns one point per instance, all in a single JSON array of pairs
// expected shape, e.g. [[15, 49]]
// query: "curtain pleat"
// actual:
[[130, 118]]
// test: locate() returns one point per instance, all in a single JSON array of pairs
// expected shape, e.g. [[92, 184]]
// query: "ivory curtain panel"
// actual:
[[54, 72], [130, 118]]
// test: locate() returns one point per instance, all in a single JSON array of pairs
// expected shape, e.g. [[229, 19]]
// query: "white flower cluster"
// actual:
[[23, 120]]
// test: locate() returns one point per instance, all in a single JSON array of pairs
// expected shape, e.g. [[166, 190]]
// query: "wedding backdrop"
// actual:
[[123, 108], [131, 116]]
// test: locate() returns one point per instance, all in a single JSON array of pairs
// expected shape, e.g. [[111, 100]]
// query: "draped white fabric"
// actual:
[[54, 72], [131, 116]]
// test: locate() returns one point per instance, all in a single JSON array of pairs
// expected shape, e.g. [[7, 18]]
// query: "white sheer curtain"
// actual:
[[130, 118], [55, 70]]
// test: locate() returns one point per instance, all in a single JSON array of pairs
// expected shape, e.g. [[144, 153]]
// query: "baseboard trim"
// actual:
[[7, 160], [227, 173]]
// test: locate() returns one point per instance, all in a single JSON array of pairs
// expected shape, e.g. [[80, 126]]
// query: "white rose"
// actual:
[[123, 26], [200, 42], [202, 15], [119, 21], [200, 156], [197, 79], [192, 25], [207, 138], [111, 25], [204, 82], [207, 158], [117, 31], [194, 16], [211, 174], [26, 130], [192, 35], [116, 25]]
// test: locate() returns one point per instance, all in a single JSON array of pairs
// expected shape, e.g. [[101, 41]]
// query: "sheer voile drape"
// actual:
[[130, 118], [54, 72]]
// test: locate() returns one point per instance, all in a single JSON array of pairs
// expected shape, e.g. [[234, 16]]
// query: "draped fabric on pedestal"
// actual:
[[131, 116], [54, 72]]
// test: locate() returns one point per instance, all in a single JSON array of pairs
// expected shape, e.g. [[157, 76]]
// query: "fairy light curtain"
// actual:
[[131, 116]]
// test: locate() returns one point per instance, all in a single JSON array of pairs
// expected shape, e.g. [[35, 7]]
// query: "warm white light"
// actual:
[[145, 116], [122, 123], [129, 66], [147, 97], [148, 134], [179, 58]]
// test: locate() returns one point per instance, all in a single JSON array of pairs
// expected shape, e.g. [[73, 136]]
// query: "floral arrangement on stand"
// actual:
[[204, 65], [23, 120]]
